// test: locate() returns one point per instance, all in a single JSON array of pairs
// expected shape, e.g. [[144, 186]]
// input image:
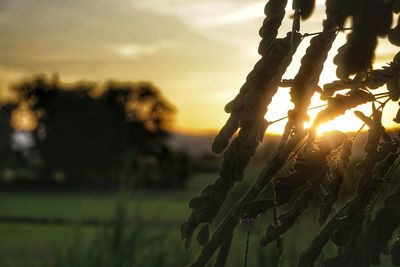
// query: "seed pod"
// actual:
[[373, 19], [393, 86], [252, 129], [397, 118], [376, 79], [221, 141], [369, 161], [307, 167], [289, 217], [374, 240], [197, 203], [389, 75], [348, 228], [255, 95], [395, 252], [339, 10], [347, 219], [275, 12], [305, 7], [339, 104], [273, 233], [187, 242], [307, 77], [333, 87], [203, 235], [337, 178], [356, 55], [257, 207], [394, 34], [308, 176], [204, 206], [396, 6]]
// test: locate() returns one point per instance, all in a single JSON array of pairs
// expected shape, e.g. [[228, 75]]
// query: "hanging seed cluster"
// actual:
[[336, 179], [320, 164]]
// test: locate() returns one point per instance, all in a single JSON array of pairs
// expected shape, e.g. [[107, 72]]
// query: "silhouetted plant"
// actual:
[[319, 161]]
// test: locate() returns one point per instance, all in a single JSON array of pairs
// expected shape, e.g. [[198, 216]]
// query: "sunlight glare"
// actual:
[[23, 118]]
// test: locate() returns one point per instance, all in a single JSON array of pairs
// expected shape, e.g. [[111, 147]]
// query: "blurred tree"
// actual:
[[91, 139], [7, 155], [5, 125]]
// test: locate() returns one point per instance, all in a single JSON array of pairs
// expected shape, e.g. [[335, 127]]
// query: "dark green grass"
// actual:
[[34, 245], [158, 240]]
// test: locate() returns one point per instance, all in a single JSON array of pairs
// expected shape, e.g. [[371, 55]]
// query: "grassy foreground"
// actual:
[[153, 242]]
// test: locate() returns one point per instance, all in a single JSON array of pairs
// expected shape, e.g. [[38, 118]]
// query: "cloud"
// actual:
[[2, 4], [247, 13], [230, 23], [58, 32], [206, 12], [136, 51], [199, 52]]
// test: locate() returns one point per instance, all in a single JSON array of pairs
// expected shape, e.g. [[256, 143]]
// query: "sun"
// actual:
[[347, 122]]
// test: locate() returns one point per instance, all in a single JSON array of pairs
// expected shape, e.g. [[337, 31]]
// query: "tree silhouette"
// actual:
[[94, 138]]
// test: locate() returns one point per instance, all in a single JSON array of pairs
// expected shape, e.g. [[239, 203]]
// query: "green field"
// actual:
[[35, 245], [157, 243]]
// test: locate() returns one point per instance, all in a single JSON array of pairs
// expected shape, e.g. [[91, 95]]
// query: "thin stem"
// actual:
[[294, 154], [246, 251], [284, 118], [334, 30], [377, 96], [384, 93], [382, 106], [382, 96]]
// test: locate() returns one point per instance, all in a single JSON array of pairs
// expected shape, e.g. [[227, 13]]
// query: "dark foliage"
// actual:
[[359, 229], [118, 136]]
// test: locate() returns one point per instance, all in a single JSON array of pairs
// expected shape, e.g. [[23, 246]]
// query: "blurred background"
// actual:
[[108, 112]]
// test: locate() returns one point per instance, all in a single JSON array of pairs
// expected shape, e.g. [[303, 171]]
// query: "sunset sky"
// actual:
[[198, 52]]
